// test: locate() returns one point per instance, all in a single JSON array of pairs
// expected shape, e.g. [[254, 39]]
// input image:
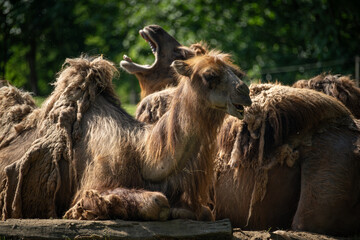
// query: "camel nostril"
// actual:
[[242, 88]]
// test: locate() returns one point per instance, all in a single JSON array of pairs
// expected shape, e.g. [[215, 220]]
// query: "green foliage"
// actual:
[[130, 108], [39, 100], [281, 40]]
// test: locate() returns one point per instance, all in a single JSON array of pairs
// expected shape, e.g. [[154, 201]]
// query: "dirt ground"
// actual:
[[281, 235]]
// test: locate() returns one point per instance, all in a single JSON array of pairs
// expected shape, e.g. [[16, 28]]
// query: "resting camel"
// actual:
[[82, 156], [340, 87], [293, 162]]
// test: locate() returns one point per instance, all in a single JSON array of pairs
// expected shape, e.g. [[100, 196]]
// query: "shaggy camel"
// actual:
[[82, 150], [293, 162], [340, 87]]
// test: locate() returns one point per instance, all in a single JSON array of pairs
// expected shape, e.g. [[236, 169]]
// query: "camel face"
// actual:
[[213, 75], [165, 49]]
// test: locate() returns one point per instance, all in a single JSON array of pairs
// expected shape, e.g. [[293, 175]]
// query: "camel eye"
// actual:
[[211, 79]]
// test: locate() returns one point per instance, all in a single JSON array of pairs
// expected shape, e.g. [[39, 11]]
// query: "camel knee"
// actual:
[[206, 214]]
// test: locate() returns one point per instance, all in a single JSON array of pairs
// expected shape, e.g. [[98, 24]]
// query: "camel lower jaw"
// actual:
[[128, 65], [236, 110], [232, 110]]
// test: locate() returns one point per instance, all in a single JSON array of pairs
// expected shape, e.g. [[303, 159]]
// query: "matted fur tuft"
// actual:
[[337, 86], [48, 145], [15, 105], [265, 137], [85, 145]]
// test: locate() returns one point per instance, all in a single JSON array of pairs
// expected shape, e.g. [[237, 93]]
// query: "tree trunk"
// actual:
[[4, 49], [31, 57]]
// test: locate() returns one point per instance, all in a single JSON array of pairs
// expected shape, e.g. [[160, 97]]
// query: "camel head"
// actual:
[[214, 76], [159, 75]]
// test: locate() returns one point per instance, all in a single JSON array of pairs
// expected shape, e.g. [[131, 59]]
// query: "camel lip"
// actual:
[[127, 63], [223, 108], [235, 109], [145, 34], [239, 108]]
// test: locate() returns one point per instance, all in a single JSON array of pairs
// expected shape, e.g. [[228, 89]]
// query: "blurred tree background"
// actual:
[[283, 40]]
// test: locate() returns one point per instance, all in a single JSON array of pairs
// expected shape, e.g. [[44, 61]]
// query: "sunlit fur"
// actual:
[[292, 162], [340, 87], [82, 150]]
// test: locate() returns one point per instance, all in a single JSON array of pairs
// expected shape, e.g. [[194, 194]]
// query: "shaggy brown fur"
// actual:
[[340, 87], [151, 108], [15, 105], [293, 161], [154, 106], [81, 143], [295, 148]]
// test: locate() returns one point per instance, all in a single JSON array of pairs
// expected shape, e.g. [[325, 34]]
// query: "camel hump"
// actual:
[[337, 86], [91, 70], [15, 106], [286, 110]]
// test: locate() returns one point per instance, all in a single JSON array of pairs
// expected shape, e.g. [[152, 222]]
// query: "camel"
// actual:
[[159, 75], [340, 87], [152, 79], [82, 156], [293, 161]]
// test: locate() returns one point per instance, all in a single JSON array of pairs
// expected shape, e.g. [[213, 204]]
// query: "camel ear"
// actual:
[[199, 48], [184, 53], [181, 68]]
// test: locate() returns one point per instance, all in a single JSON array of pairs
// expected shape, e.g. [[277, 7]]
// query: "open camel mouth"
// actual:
[[239, 108], [236, 110], [132, 67]]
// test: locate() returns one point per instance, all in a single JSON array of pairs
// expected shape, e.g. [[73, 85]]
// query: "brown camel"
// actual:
[[340, 87], [82, 151], [159, 75], [293, 162]]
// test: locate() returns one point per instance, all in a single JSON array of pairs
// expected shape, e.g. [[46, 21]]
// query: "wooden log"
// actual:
[[113, 229]]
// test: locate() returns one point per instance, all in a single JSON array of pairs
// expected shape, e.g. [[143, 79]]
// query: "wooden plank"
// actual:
[[114, 229]]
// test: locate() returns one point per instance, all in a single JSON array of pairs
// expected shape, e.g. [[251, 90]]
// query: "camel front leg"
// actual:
[[120, 203]]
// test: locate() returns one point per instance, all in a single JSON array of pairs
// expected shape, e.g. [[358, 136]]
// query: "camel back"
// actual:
[[262, 139], [278, 112]]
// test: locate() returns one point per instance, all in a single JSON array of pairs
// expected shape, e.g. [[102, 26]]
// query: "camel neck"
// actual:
[[193, 115], [180, 134]]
